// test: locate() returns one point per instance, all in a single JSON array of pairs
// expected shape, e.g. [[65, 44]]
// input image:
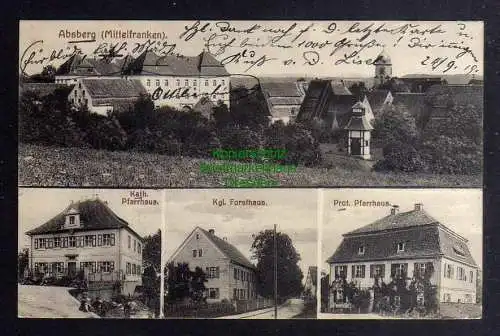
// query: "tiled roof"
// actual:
[[397, 221], [419, 242], [229, 250], [45, 89], [94, 214], [458, 94], [423, 237], [340, 89], [455, 248], [113, 87], [80, 65], [280, 89], [202, 65], [414, 102]]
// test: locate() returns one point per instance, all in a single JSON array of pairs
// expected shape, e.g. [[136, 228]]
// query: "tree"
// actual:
[[22, 262], [182, 283], [248, 108], [325, 290], [289, 273], [151, 252], [395, 124], [221, 115]]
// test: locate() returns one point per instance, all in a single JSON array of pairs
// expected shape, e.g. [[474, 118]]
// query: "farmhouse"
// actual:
[[104, 95], [88, 236], [180, 81], [230, 274], [405, 245]]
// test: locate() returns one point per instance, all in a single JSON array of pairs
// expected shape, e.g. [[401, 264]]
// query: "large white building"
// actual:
[[87, 236], [177, 81], [230, 274], [401, 244]]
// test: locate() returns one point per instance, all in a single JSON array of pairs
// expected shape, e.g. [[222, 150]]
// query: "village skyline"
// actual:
[[423, 48]]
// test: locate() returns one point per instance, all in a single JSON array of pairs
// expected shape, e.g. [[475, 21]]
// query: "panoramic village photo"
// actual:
[[89, 253], [210, 103], [240, 254], [401, 254]]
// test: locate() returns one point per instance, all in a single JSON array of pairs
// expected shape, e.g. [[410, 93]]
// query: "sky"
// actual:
[[458, 209], [294, 212], [37, 206], [269, 48]]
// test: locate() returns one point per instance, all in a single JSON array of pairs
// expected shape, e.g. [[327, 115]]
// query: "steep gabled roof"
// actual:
[[313, 271], [397, 221], [454, 248], [94, 215], [229, 250]]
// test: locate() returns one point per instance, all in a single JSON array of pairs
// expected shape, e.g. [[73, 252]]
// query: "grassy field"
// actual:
[[460, 311], [54, 166]]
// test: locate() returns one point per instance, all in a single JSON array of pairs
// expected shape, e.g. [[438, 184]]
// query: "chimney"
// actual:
[[211, 231], [394, 209], [418, 206]]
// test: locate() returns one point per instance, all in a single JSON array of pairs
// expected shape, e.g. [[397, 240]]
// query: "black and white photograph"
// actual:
[[89, 253], [401, 254], [241, 254], [250, 104]]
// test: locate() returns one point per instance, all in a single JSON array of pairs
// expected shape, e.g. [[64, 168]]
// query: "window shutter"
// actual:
[[372, 271], [416, 270], [393, 270], [217, 272], [353, 271], [99, 240], [363, 267], [382, 271], [112, 239]]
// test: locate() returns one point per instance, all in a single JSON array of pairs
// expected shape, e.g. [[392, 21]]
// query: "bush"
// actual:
[[302, 147], [399, 156]]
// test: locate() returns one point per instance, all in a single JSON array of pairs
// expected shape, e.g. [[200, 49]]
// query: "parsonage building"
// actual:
[[87, 236], [229, 273], [403, 245]]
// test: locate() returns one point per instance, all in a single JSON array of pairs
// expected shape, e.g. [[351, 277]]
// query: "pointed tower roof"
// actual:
[[359, 120]]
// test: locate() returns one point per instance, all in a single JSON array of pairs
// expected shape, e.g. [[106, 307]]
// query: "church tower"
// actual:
[[383, 68]]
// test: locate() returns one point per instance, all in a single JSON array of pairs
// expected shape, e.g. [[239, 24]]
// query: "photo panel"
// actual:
[[401, 254], [250, 104], [241, 254], [89, 253]]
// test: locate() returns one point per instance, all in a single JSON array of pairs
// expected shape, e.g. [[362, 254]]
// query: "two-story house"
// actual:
[[401, 244], [229, 273], [87, 236]]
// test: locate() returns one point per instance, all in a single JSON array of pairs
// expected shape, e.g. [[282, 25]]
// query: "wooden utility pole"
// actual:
[[275, 275]]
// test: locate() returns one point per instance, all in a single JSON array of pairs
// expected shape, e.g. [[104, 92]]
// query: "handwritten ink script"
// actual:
[[245, 46]]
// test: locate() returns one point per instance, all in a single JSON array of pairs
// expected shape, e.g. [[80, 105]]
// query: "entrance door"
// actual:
[[355, 146], [71, 268]]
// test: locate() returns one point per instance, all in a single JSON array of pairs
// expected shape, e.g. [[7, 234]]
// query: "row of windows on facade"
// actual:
[[467, 298], [397, 270], [134, 269], [449, 273], [186, 82], [106, 239], [399, 248], [214, 273], [238, 294], [92, 266]]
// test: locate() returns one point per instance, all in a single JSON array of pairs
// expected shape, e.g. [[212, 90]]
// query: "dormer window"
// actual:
[[401, 247], [361, 250], [72, 219], [459, 251]]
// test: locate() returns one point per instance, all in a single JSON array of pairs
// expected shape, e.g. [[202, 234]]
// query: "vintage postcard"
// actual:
[[241, 254], [401, 254], [250, 104], [89, 253]]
